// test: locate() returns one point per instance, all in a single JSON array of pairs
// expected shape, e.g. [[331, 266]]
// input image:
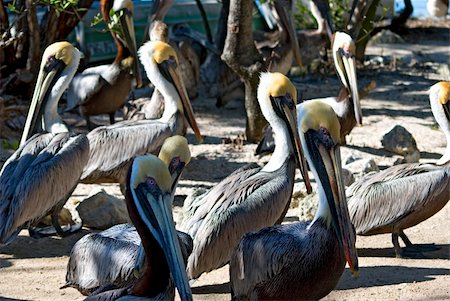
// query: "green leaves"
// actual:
[[114, 24], [60, 5]]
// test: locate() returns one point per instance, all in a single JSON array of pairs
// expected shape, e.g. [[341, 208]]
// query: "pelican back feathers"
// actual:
[[398, 197], [45, 158]]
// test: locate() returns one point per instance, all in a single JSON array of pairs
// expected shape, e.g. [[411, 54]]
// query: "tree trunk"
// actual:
[[242, 57], [366, 33]]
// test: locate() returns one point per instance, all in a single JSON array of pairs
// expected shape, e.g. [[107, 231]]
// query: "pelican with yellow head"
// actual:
[[302, 261], [41, 175], [113, 147], [252, 197]]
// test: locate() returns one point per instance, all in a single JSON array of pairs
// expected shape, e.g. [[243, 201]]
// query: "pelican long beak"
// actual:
[[346, 69], [289, 25], [338, 205], [289, 112], [127, 25], [155, 210], [187, 107], [47, 76]]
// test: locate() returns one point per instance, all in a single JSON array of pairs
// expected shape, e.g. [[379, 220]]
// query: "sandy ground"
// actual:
[[35, 269]]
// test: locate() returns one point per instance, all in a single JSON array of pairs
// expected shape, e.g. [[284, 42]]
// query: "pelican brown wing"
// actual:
[[45, 158], [113, 147], [251, 198], [407, 192]]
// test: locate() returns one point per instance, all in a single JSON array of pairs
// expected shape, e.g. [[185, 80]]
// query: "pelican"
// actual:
[[109, 257], [281, 47], [405, 195], [40, 176], [251, 198], [149, 203], [440, 106], [437, 8], [278, 48], [302, 261], [346, 105], [113, 147], [320, 9], [188, 60], [104, 89]]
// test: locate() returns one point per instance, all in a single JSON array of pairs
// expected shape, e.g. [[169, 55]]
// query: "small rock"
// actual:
[[362, 166], [102, 211], [399, 141], [348, 177], [386, 37], [350, 159], [308, 206]]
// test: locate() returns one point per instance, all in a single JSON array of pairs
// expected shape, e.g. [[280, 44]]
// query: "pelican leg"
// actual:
[[398, 250], [89, 124], [39, 232], [111, 118], [410, 247]]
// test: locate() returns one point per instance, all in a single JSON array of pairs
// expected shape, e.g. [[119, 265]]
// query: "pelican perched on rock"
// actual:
[[149, 203], [405, 195], [109, 257], [302, 261], [251, 198], [104, 89], [346, 105], [113, 147], [40, 176]]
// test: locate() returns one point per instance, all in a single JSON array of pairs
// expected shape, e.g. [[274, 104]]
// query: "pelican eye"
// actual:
[[52, 61], [152, 186], [345, 52], [323, 137]]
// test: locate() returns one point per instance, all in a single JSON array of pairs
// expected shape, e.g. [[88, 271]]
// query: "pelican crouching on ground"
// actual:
[[149, 203], [114, 146], [111, 256], [41, 175], [302, 261], [405, 195], [346, 105], [104, 89], [251, 198]]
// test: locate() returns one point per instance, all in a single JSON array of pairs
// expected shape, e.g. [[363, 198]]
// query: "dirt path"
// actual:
[[35, 269]]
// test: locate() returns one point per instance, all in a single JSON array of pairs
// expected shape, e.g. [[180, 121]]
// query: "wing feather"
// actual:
[[112, 147], [381, 199], [37, 177]]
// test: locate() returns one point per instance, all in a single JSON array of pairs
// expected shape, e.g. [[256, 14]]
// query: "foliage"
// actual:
[[59, 6], [339, 10], [114, 23]]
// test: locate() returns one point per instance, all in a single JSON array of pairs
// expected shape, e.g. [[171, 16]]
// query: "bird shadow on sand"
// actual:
[[47, 247], [222, 288], [12, 299], [388, 275], [443, 252]]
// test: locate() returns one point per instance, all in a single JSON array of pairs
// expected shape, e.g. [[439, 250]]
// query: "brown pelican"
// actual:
[[104, 89], [40, 176], [320, 10], [113, 147], [188, 63], [110, 256], [149, 203], [280, 47], [251, 197], [346, 105], [437, 8], [440, 106], [302, 261], [405, 195]]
